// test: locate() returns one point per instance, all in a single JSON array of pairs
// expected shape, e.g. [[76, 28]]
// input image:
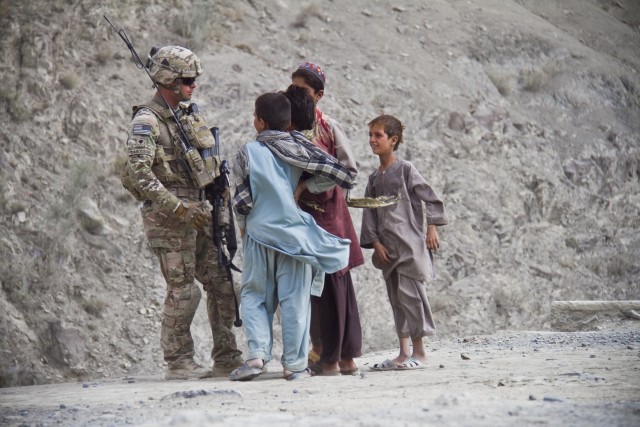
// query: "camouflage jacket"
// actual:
[[155, 162]]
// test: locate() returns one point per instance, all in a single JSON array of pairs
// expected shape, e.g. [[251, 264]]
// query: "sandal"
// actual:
[[387, 365], [246, 372], [298, 375], [411, 364]]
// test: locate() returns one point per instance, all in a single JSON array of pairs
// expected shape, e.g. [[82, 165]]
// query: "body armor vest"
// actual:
[[174, 167]]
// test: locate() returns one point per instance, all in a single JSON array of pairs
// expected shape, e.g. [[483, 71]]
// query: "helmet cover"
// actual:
[[172, 62]]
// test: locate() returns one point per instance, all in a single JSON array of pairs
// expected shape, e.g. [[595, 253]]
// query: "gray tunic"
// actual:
[[401, 227]]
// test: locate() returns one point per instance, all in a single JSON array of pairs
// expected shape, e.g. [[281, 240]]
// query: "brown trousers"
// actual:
[[411, 311], [338, 319]]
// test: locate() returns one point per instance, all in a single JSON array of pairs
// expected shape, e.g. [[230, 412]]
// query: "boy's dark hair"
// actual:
[[303, 110], [309, 78], [275, 110], [392, 127]]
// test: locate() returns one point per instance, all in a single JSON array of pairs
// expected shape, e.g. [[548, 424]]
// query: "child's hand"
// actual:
[[302, 186], [432, 241], [381, 252]]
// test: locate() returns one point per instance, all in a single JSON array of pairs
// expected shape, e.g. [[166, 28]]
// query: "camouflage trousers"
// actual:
[[184, 254]]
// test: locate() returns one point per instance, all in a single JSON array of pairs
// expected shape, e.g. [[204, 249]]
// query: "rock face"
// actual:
[[523, 115], [569, 316], [67, 347]]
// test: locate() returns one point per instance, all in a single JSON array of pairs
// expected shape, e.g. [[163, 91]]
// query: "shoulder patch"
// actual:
[[141, 129]]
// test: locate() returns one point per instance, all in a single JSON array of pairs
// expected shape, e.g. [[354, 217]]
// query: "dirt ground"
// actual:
[[504, 379]]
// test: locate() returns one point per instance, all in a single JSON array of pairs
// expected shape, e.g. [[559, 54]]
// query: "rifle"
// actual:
[[224, 231], [195, 159]]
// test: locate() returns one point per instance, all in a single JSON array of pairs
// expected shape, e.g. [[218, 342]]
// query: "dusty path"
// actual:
[[506, 379]]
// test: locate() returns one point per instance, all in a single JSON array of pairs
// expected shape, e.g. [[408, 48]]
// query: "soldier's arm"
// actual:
[[141, 148]]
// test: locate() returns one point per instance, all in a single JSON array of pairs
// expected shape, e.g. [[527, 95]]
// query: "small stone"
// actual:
[[456, 122], [464, 356], [441, 366], [532, 397]]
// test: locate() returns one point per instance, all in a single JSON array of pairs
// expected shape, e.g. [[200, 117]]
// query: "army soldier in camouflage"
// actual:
[[177, 219]]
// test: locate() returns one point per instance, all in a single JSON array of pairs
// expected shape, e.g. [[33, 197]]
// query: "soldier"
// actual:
[[177, 219]]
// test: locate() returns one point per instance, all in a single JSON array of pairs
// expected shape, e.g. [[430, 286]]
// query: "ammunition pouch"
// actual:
[[196, 129], [200, 166], [203, 163]]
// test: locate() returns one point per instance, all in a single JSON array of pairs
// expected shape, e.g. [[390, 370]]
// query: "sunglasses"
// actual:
[[188, 81]]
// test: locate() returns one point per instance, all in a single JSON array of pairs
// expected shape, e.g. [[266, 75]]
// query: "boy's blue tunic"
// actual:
[[276, 221], [283, 250]]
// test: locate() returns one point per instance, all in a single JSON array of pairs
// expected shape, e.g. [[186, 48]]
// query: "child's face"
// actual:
[[301, 82], [380, 142]]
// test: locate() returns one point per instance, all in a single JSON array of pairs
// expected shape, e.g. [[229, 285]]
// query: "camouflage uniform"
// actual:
[[163, 180]]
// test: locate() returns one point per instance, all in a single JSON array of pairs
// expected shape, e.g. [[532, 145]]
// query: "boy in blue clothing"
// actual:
[[285, 251]]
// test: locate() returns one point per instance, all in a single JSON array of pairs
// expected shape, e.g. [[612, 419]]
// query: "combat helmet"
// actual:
[[168, 63]]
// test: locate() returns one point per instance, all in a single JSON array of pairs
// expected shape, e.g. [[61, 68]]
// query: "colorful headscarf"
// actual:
[[323, 136]]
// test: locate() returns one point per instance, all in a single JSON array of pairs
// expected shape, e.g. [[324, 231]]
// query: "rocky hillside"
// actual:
[[523, 114]]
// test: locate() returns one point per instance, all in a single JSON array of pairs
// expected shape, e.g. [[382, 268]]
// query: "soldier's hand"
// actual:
[[195, 214]]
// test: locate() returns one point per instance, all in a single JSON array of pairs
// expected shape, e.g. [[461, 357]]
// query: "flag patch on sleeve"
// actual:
[[140, 129]]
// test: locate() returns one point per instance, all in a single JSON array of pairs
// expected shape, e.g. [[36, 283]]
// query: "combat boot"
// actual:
[[185, 369], [221, 369]]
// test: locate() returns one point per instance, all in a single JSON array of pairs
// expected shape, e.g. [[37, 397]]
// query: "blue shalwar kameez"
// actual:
[[285, 251]]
